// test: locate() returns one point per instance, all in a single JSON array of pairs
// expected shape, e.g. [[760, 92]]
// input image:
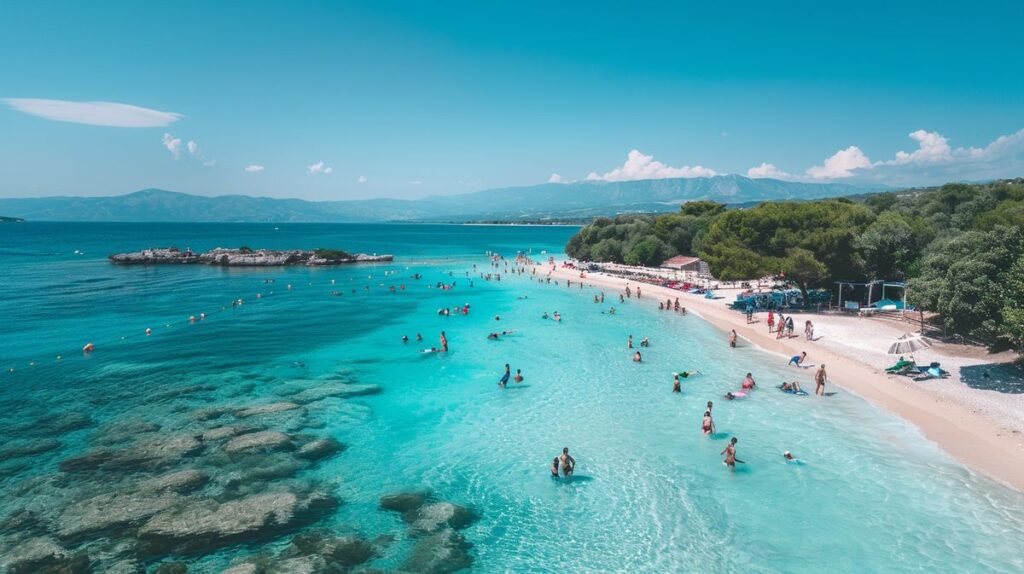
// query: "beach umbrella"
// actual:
[[908, 344]]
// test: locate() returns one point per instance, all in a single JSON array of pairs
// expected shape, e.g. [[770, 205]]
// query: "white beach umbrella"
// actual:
[[909, 343]]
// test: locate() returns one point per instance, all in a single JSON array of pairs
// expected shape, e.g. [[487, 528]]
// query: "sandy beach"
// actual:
[[982, 429]]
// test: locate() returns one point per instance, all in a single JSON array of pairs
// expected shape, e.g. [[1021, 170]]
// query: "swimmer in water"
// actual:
[[793, 387], [545, 315], [645, 342], [748, 382], [675, 385], [504, 378], [554, 467], [629, 342], [405, 338], [444, 342], [556, 316], [798, 360], [711, 405], [730, 396], [519, 376], [788, 455], [708, 424], [419, 337], [636, 357], [493, 336]]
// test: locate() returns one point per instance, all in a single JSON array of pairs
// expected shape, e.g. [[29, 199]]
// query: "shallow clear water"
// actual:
[[650, 493]]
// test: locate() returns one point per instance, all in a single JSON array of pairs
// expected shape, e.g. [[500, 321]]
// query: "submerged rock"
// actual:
[[435, 516], [112, 511], [246, 568], [320, 448], [266, 409], [171, 568], [440, 553], [263, 441], [203, 524], [404, 501], [181, 481], [344, 551], [31, 555], [336, 390], [28, 448], [224, 432], [124, 431], [60, 423], [149, 454]]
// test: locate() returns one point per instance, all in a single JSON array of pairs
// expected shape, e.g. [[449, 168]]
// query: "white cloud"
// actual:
[[362, 179], [767, 170], [640, 166], [555, 178], [254, 168], [841, 164], [319, 167], [932, 148], [94, 113], [193, 150], [173, 145]]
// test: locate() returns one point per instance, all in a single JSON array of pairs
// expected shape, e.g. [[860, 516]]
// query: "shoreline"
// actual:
[[976, 440]]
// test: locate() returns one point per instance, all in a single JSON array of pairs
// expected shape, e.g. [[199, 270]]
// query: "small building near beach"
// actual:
[[685, 263]]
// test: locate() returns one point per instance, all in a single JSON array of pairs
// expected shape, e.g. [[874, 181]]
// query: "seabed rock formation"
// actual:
[[200, 484]]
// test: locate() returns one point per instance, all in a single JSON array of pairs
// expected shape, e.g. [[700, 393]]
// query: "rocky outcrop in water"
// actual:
[[245, 257]]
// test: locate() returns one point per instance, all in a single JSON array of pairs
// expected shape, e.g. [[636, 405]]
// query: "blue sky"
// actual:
[[340, 100]]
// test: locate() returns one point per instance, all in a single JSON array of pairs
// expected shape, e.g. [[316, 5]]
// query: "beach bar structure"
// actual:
[[858, 295], [685, 263]]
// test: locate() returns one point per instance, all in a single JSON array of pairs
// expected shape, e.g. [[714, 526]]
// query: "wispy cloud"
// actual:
[[415, 182], [173, 145], [254, 168], [362, 179], [193, 150], [640, 166], [319, 168], [94, 113]]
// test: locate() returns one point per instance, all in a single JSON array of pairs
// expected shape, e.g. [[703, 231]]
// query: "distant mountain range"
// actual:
[[537, 202]]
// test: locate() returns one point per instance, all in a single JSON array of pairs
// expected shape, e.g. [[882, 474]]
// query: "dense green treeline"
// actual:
[[960, 246]]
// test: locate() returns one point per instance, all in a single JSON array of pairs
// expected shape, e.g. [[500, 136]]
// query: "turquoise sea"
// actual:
[[204, 443]]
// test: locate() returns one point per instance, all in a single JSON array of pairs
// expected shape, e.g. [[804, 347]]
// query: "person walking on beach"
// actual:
[[750, 314], [708, 424], [771, 320], [789, 326], [568, 462], [444, 342], [637, 291], [819, 380], [732, 338], [809, 330], [730, 454]]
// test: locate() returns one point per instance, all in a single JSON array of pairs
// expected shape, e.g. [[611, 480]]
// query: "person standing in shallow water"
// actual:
[[675, 385], [504, 378], [819, 380], [444, 342], [732, 338], [730, 454], [568, 462]]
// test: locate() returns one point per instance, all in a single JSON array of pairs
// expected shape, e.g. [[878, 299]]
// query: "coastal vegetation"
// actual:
[[960, 247]]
